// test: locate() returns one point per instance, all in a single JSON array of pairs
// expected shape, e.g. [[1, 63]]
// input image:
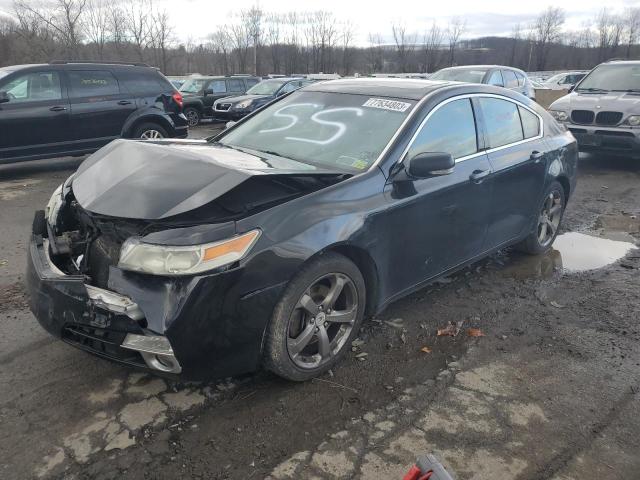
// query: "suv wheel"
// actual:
[[193, 116], [150, 131]]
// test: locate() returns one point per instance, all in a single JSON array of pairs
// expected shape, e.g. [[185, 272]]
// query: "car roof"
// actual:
[[412, 89], [617, 62], [283, 79]]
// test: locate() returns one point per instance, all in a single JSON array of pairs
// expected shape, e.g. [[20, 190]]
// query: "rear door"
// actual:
[[214, 90], [517, 153], [235, 86], [439, 222], [99, 106], [511, 81], [35, 120]]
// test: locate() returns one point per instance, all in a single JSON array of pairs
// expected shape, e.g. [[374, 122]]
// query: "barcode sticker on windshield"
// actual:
[[394, 105]]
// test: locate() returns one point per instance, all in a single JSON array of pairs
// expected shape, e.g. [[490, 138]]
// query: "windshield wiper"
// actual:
[[591, 89], [628, 90]]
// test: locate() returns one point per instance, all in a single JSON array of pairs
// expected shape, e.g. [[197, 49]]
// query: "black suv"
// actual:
[[65, 108], [234, 108], [200, 93]]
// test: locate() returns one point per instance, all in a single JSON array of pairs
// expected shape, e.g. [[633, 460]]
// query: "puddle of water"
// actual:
[[582, 252], [571, 252]]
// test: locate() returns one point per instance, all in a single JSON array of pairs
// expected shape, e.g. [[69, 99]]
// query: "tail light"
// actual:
[[177, 97]]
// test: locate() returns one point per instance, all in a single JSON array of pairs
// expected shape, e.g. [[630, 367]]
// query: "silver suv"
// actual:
[[603, 110], [498, 75]]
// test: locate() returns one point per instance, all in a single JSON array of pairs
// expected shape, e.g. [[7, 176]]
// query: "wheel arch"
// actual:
[[149, 118], [566, 185], [367, 266]]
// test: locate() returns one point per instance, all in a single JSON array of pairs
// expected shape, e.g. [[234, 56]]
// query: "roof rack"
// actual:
[[89, 62]]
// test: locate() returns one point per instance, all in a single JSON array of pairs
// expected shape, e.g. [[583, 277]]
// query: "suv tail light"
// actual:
[[177, 97]]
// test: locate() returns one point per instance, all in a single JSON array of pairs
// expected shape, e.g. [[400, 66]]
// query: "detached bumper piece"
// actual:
[[93, 319]]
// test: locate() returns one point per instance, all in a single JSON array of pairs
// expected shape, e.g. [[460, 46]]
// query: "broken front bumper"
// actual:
[[99, 321], [610, 139]]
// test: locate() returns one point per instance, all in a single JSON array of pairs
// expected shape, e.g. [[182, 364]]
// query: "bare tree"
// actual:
[[404, 42], [96, 24], [137, 24], [61, 17], [161, 35], [252, 20], [274, 40], [432, 46], [375, 53], [455, 30], [347, 33], [609, 30], [632, 27], [546, 30], [516, 35], [241, 40]]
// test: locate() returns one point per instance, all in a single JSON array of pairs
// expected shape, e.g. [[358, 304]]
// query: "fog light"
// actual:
[[156, 351]]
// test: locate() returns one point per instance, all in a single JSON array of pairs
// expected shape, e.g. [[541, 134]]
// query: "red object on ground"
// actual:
[[416, 474]]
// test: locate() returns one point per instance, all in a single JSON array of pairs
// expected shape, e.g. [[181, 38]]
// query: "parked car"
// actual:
[[564, 81], [268, 244], [66, 108], [234, 108], [603, 110], [498, 75], [200, 93]]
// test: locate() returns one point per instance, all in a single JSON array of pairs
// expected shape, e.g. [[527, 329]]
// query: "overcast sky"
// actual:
[[197, 18]]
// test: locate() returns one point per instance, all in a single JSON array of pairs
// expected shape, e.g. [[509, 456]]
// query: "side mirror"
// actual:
[[4, 97], [208, 91], [429, 164]]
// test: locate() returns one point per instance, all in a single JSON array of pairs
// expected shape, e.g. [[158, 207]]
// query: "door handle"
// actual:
[[58, 108], [536, 156], [124, 102], [478, 175]]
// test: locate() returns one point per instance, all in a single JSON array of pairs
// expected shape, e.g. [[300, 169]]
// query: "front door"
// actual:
[[517, 153], [213, 91], [35, 120], [440, 221], [99, 107]]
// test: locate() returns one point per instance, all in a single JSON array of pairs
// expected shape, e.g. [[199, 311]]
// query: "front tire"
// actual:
[[548, 223], [316, 319]]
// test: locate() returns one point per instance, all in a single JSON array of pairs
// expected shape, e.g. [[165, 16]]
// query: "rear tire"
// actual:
[[550, 214], [150, 131], [193, 116], [316, 319]]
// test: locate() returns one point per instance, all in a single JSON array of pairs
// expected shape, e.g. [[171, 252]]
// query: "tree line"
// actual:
[[257, 41]]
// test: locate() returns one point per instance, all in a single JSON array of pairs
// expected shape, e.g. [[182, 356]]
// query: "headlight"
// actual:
[[53, 207], [184, 260], [559, 115], [634, 120], [243, 104]]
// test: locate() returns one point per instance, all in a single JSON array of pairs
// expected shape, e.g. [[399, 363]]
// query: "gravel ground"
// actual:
[[549, 391]]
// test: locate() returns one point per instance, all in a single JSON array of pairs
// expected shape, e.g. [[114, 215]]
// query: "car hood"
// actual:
[[609, 101], [155, 180], [241, 98]]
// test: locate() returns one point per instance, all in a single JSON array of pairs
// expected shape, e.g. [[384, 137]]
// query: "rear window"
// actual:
[[141, 82], [92, 83], [510, 80], [470, 75], [502, 121]]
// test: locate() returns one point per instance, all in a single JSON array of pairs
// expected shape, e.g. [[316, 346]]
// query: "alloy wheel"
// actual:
[[151, 134], [192, 118], [322, 320], [549, 219]]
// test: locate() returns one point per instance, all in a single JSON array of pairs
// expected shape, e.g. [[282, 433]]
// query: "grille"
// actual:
[[615, 134], [223, 106], [582, 116], [105, 343], [608, 118]]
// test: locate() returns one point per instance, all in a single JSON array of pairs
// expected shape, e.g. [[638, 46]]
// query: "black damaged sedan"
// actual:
[[268, 244]]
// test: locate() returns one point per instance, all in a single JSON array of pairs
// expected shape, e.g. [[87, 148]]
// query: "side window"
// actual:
[[34, 87], [235, 85], [510, 80], [218, 86], [92, 83], [502, 121], [450, 129], [144, 82], [520, 78], [496, 79], [251, 82], [530, 123]]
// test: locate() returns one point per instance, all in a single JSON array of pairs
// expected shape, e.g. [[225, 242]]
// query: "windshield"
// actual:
[[268, 87], [470, 75], [612, 78], [194, 85], [328, 130]]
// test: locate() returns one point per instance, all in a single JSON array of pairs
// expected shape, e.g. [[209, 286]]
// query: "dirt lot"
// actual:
[[550, 391]]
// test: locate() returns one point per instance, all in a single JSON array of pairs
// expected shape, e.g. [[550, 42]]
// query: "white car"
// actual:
[[565, 80]]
